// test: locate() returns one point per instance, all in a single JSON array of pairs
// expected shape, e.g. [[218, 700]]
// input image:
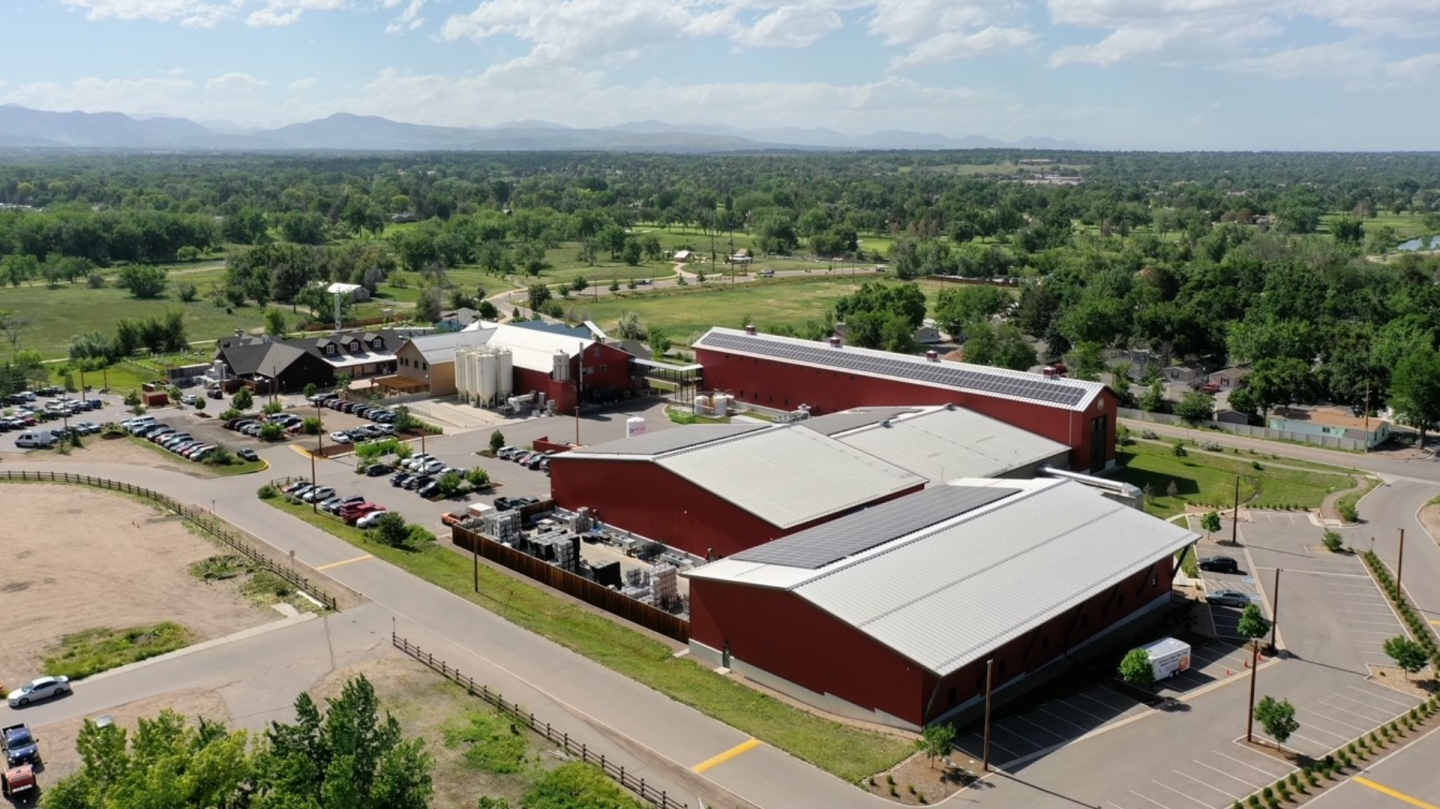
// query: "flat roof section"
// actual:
[[947, 442], [832, 424], [1016, 386], [659, 443]]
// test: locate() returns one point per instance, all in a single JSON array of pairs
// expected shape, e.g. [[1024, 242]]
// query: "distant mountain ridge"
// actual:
[[22, 127]]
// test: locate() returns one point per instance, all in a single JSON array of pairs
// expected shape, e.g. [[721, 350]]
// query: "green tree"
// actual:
[[1407, 654], [1277, 717], [1137, 669], [1211, 523], [1347, 230], [310, 390], [538, 295], [1153, 400], [186, 291], [142, 281], [272, 432], [1415, 389], [449, 484], [955, 307], [1196, 408], [1253, 623], [243, 399], [427, 309], [478, 479], [391, 530], [659, 343], [312, 425], [274, 322], [936, 741], [632, 252], [1003, 346], [497, 440], [577, 786]]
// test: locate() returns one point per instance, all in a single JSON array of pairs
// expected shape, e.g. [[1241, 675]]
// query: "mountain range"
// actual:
[[22, 127]]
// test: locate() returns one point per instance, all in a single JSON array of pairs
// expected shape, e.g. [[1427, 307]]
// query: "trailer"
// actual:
[[18, 783], [1168, 657]]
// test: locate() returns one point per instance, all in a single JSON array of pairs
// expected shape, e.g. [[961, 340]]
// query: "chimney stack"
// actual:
[[750, 329], [834, 341], [932, 356]]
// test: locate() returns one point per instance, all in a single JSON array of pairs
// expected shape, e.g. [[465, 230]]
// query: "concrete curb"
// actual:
[[244, 634]]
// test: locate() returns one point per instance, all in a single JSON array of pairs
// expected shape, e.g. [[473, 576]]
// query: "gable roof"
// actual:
[[999, 383], [532, 349], [946, 594], [441, 348], [565, 330]]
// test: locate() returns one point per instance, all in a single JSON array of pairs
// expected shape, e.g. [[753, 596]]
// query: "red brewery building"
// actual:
[[785, 373], [889, 615], [714, 490]]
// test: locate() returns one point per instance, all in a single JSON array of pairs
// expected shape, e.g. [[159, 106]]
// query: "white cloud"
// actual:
[[954, 45], [301, 85], [409, 19], [235, 83], [198, 13], [573, 31], [792, 26], [1353, 67], [101, 95], [285, 12]]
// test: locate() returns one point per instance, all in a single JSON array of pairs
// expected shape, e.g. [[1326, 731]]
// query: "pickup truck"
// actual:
[[21, 747]]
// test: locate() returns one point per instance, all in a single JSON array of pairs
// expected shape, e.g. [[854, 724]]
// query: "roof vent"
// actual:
[[750, 329], [834, 341], [932, 356]]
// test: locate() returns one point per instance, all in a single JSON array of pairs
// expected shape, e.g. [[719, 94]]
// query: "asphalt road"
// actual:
[[1406, 778]]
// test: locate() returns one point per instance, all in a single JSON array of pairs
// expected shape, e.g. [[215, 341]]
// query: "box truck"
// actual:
[[1168, 657]]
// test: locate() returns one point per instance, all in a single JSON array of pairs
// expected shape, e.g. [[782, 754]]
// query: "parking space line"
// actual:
[[1271, 776], [1099, 719], [1099, 702], [1406, 705], [1346, 724], [994, 743], [1082, 728], [1212, 787], [1226, 774], [1148, 800], [1044, 729], [1318, 745], [1399, 796], [1181, 794]]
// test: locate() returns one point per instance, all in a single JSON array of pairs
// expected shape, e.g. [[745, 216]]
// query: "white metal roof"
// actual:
[[946, 595], [788, 475], [442, 347], [1000, 383], [532, 349], [945, 443]]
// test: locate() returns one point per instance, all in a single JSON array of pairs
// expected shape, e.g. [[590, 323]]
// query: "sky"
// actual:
[[1116, 74]]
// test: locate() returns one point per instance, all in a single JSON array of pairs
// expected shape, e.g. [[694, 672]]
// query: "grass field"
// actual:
[[85, 653], [847, 752], [1204, 479], [1406, 225]]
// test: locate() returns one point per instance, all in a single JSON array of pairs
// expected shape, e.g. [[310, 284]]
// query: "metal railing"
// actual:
[[655, 797], [200, 519]]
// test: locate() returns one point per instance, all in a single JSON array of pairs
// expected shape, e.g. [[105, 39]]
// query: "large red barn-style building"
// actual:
[[890, 614], [785, 373]]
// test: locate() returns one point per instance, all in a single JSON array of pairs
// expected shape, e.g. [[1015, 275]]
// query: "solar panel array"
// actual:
[[1039, 389], [873, 527]]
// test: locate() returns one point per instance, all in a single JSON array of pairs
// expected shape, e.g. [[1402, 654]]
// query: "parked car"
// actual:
[[1228, 598], [369, 520], [189, 399], [248, 455], [38, 689], [429, 490], [398, 479], [334, 504], [35, 439], [318, 495], [1220, 564], [375, 470], [355, 511], [21, 746], [340, 437], [432, 467], [416, 481], [215, 393]]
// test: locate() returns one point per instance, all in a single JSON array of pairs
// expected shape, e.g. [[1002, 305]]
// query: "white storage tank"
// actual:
[[489, 389], [504, 374], [635, 425], [722, 404], [561, 369], [464, 385]]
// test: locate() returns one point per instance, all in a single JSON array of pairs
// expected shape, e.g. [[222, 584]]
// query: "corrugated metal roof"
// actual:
[[442, 347], [999, 383], [788, 475], [948, 443], [534, 349], [947, 595], [669, 440], [847, 420], [826, 544]]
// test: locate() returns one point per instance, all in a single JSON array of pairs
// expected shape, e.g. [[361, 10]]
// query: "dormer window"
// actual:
[[354, 345], [331, 350], [378, 343]]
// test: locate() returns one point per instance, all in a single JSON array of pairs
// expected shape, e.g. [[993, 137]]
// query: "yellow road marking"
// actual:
[[302, 450], [1399, 796], [1437, 623], [739, 749], [346, 562]]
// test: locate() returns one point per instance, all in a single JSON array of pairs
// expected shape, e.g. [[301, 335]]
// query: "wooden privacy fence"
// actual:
[[576, 586], [654, 797], [200, 519]]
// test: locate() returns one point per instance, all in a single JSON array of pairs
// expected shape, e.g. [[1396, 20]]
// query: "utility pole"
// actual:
[[1250, 715], [1275, 614], [475, 557], [1400, 564], [989, 690], [579, 390], [1235, 515], [315, 483]]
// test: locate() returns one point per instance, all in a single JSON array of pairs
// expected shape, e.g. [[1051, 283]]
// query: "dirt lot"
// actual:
[[125, 451], [57, 741], [87, 559]]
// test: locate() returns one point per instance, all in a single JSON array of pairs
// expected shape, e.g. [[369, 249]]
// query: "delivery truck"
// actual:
[[1168, 657]]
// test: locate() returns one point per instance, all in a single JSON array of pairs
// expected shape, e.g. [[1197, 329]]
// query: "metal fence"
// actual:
[[1327, 441], [655, 797], [576, 586], [200, 519]]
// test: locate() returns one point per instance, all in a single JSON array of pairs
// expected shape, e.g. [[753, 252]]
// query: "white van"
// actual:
[[1168, 657], [35, 438]]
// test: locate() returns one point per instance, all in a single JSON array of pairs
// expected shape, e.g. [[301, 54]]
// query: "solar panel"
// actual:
[[817, 547], [968, 378]]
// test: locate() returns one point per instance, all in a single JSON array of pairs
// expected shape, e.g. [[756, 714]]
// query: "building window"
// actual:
[[424, 366], [378, 343], [331, 350], [604, 368]]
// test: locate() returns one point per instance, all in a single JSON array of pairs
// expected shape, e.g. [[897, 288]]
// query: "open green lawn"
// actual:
[[1205, 479], [57, 314], [1406, 225], [96, 650], [848, 752]]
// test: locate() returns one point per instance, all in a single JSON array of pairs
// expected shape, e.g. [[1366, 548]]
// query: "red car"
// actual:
[[355, 511]]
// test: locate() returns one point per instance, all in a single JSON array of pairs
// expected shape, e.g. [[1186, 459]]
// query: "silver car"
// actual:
[[1229, 598], [36, 690]]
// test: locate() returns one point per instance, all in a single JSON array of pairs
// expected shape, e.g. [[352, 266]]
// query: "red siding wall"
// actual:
[[649, 500], [782, 385], [788, 637], [606, 367]]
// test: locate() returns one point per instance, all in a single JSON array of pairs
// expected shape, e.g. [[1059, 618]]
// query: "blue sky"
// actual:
[[1168, 74]]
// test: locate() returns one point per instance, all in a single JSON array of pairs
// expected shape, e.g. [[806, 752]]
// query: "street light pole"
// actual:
[[1400, 564], [315, 483], [989, 690], [1235, 515], [1275, 613], [1250, 715]]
